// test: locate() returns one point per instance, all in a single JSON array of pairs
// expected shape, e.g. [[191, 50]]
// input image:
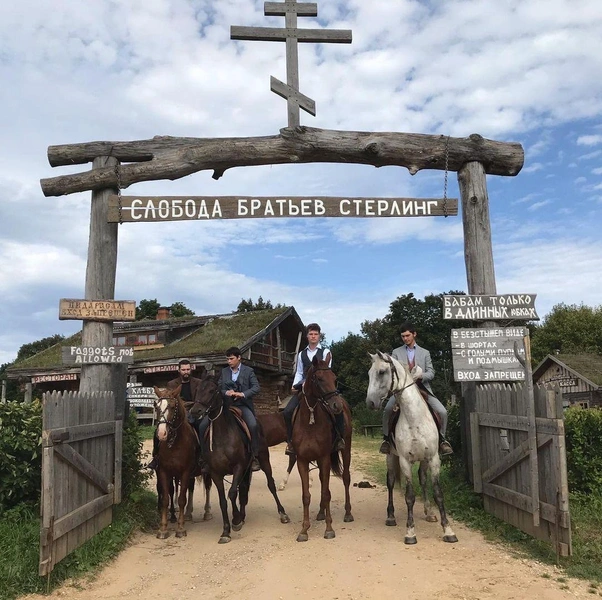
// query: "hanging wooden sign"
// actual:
[[97, 310], [490, 308], [85, 355], [188, 208]]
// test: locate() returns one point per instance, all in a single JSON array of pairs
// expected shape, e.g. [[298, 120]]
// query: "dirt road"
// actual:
[[365, 560]]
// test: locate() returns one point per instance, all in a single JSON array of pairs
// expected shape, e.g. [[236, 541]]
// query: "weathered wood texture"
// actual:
[[81, 478], [173, 158], [519, 462]]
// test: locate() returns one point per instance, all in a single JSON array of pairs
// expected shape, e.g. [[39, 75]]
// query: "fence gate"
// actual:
[[519, 465], [81, 471]]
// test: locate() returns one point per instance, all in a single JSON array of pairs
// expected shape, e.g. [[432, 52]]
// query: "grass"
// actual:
[[20, 535], [467, 507]]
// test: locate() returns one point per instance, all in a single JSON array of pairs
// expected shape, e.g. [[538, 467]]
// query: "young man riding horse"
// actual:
[[190, 392], [238, 386], [418, 360], [314, 348]]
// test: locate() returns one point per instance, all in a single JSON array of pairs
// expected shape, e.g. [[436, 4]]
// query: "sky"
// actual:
[[525, 71]]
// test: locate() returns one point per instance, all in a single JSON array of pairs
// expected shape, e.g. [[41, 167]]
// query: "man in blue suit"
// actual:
[[412, 355], [238, 385]]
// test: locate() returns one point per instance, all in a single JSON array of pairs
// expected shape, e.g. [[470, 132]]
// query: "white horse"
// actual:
[[416, 438]]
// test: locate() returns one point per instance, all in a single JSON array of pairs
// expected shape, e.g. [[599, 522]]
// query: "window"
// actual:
[[119, 340]]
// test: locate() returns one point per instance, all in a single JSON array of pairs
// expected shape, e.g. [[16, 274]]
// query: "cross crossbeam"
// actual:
[[292, 35]]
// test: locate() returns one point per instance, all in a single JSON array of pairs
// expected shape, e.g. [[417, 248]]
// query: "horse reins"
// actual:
[[394, 376], [323, 397], [172, 428]]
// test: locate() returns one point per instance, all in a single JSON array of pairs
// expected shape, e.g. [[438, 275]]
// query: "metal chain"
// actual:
[[119, 206], [445, 178]]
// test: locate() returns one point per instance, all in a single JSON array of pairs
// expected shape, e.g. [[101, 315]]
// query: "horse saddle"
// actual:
[[241, 422]]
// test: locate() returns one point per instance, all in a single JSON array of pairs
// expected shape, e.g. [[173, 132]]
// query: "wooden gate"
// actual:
[[81, 471], [519, 463]]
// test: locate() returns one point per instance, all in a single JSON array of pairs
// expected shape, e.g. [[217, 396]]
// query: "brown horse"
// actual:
[[226, 450], [176, 457], [313, 440]]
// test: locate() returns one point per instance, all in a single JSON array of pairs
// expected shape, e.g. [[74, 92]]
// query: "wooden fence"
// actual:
[[81, 471], [519, 460]]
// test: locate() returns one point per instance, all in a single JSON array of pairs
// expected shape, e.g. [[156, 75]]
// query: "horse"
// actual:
[[226, 450], [177, 462], [274, 430], [313, 440], [416, 440]]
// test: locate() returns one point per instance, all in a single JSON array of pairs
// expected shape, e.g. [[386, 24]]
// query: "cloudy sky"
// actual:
[[527, 71]]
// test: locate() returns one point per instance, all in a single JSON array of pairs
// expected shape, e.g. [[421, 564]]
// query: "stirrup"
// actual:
[[290, 451], [445, 448], [255, 466], [385, 447]]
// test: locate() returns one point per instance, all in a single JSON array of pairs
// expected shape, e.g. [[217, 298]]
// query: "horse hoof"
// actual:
[[224, 539], [180, 534], [320, 516], [329, 535], [410, 541], [237, 526], [207, 516], [431, 518], [348, 518], [451, 539], [302, 537], [162, 535], [284, 519], [391, 522]]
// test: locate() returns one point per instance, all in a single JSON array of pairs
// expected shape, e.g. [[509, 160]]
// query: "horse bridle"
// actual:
[[172, 427], [323, 397], [394, 376]]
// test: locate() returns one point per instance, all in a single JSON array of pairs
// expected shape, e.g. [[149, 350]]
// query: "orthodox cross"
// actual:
[[290, 9]]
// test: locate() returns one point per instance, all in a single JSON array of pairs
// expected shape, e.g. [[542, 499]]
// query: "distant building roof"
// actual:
[[586, 366]]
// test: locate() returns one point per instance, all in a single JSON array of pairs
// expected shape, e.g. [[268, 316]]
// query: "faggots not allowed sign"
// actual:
[[87, 355], [97, 310]]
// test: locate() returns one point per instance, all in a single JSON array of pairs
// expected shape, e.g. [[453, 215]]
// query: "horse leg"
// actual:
[[422, 476], [266, 467], [243, 499], [391, 478], [163, 483], [207, 516], [173, 488], [291, 463], [406, 470], [448, 534], [303, 468], [237, 478], [324, 465], [223, 504], [190, 503], [183, 485], [348, 518]]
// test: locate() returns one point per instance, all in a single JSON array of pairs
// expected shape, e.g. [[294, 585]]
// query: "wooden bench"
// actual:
[[370, 429]]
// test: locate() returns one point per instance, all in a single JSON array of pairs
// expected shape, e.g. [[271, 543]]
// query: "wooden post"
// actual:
[[28, 393], [480, 274], [100, 281], [4, 391]]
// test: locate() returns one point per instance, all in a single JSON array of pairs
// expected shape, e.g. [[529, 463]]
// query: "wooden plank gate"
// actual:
[[81, 471], [519, 462]]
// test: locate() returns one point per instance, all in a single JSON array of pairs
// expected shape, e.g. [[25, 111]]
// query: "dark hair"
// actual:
[[313, 327], [184, 361], [233, 351], [407, 327]]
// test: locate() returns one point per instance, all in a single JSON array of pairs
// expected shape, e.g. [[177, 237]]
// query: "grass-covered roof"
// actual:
[[587, 365]]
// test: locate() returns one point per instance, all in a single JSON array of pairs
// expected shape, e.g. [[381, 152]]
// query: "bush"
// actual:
[[454, 428], [583, 429], [133, 478], [21, 452]]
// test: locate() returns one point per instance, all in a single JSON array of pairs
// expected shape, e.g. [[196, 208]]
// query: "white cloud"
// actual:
[[589, 140]]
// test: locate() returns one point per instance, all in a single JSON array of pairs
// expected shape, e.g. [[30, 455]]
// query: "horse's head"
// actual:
[[386, 377], [209, 395], [321, 383], [167, 409]]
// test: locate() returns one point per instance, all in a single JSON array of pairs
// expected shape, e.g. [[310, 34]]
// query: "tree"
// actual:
[[568, 329], [245, 306], [27, 350], [179, 309], [147, 309]]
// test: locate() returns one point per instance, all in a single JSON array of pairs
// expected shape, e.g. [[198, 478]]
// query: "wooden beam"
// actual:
[[172, 158], [280, 34]]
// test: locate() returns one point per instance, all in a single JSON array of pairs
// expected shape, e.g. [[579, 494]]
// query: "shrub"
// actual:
[[21, 453], [133, 478], [583, 442]]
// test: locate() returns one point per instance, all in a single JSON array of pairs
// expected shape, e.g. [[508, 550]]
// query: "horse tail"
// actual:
[[336, 466]]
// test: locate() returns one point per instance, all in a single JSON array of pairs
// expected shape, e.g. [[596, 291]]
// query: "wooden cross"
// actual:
[[290, 9]]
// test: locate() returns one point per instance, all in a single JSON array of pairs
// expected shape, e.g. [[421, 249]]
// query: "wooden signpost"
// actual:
[[520, 307], [84, 355], [124, 209], [97, 310]]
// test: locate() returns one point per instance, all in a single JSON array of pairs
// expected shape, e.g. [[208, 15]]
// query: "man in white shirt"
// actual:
[[304, 358]]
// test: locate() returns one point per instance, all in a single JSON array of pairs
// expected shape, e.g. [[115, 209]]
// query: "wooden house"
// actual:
[[269, 341], [579, 377]]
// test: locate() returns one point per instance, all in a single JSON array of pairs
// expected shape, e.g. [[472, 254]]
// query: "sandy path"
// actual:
[[365, 560]]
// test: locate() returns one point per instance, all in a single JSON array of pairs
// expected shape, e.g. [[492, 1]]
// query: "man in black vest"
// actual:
[[314, 348]]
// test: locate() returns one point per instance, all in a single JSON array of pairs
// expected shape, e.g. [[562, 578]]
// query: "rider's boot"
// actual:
[[444, 446], [385, 447]]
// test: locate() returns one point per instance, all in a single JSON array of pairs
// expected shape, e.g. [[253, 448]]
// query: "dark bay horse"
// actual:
[[227, 451], [416, 440], [177, 462], [313, 440]]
